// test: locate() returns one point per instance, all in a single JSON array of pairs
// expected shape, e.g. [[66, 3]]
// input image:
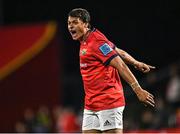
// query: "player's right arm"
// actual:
[[128, 76], [132, 61]]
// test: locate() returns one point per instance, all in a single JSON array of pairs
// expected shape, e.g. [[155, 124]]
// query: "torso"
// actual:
[[102, 85]]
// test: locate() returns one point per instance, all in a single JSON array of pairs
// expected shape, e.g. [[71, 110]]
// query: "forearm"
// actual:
[[125, 72], [127, 58], [128, 76]]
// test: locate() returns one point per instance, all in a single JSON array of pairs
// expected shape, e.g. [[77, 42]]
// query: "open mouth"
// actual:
[[73, 33]]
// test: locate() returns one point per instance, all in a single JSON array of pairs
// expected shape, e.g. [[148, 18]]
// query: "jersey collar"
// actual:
[[88, 37]]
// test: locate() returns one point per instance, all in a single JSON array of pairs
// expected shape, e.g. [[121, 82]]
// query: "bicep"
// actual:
[[117, 62]]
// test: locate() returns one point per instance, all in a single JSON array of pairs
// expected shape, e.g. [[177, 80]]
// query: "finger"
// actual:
[[152, 67], [150, 103], [142, 69], [146, 70], [150, 99], [151, 95]]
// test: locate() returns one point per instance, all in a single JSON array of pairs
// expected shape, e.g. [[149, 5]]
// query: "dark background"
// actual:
[[148, 30]]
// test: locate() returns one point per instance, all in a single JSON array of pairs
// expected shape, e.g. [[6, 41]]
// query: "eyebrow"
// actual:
[[73, 21]]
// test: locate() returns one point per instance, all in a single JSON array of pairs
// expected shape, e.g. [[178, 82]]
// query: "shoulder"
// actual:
[[98, 36], [99, 40]]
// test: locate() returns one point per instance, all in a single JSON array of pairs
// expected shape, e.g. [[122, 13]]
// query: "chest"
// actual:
[[86, 54]]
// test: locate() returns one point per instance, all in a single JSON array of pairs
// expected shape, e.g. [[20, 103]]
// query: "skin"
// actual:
[[79, 31], [127, 75], [145, 68], [77, 28]]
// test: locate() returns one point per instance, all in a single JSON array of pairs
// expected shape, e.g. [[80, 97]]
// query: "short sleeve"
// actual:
[[104, 51], [112, 45]]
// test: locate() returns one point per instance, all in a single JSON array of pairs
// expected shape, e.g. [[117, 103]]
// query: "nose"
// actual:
[[70, 26]]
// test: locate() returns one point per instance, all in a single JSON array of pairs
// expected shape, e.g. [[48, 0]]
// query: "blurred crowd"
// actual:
[[165, 115], [165, 85], [46, 120]]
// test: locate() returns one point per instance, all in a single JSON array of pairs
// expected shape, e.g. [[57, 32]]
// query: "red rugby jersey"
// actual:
[[102, 85]]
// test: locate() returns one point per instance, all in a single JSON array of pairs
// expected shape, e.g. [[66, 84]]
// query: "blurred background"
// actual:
[[40, 84]]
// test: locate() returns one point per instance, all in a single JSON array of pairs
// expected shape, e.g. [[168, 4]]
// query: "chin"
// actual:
[[75, 39]]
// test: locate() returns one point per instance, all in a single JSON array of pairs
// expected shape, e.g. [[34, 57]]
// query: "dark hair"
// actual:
[[82, 14]]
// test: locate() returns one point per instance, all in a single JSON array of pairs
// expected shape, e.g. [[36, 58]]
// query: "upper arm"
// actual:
[[104, 52], [117, 62]]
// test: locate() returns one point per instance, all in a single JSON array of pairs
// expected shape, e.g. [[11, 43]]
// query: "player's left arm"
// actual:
[[124, 71], [132, 61]]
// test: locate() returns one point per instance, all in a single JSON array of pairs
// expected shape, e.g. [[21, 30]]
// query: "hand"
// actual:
[[145, 96], [145, 68]]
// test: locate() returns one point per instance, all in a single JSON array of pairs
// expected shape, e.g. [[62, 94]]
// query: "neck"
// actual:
[[86, 35]]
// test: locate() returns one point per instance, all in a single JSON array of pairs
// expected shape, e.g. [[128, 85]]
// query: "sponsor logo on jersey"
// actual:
[[83, 64], [83, 51]]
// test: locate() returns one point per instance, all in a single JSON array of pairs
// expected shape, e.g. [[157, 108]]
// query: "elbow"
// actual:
[[122, 66]]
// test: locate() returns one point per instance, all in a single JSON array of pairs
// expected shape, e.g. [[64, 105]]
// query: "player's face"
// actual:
[[77, 28]]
